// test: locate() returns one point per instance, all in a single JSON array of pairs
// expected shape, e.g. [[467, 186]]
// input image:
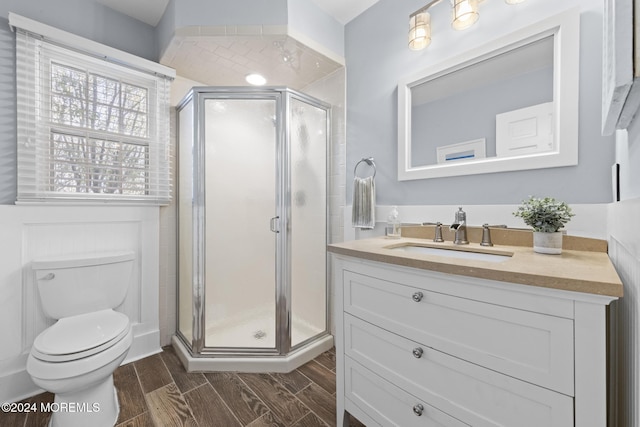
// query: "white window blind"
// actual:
[[89, 130]]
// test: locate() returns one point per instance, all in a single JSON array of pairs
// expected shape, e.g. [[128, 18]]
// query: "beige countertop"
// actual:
[[589, 271]]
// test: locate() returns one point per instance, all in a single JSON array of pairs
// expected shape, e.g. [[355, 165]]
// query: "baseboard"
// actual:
[[259, 364], [144, 344]]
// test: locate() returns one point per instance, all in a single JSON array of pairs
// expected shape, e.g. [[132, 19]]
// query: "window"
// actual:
[[89, 130]]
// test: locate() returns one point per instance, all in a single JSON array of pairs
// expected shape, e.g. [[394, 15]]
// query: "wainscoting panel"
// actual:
[[32, 232], [626, 355], [51, 239], [624, 251]]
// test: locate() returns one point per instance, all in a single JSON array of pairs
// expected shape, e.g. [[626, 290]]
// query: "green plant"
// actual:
[[546, 215]]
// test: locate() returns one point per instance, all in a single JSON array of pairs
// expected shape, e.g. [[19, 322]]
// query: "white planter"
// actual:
[[547, 243]]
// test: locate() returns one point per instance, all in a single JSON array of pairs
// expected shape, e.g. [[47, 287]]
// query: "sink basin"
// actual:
[[452, 253]]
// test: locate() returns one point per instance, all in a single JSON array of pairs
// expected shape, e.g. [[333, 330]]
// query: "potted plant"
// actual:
[[546, 216]]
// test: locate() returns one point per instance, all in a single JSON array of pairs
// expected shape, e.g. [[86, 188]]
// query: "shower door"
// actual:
[[241, 221], [308, 127], [252, 213]]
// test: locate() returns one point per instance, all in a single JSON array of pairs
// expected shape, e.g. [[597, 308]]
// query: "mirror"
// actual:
[[509, 105]]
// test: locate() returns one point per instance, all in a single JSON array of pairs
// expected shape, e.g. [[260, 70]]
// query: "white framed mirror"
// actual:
[[509, 105]]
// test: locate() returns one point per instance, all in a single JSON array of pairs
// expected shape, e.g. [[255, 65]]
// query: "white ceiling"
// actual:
[[150, 11]]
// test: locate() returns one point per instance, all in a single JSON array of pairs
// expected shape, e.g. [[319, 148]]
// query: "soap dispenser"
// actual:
[[393, 224]]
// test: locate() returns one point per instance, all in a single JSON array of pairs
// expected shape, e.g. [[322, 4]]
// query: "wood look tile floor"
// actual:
[[157, 392]]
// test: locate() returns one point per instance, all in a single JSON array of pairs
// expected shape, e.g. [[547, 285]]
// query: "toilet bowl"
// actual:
[[75, 357]]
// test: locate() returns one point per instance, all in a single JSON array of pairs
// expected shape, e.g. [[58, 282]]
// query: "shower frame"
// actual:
[[196, 348]]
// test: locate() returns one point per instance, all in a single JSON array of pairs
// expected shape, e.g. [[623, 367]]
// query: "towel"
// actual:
[[363, 214]]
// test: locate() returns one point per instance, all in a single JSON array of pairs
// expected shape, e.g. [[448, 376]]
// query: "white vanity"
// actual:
[[429, 340]]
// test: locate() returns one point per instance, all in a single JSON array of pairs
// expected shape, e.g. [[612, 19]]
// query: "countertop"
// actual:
[[588, 271]]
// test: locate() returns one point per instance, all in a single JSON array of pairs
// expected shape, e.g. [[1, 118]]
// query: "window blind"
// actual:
[[89, 130]]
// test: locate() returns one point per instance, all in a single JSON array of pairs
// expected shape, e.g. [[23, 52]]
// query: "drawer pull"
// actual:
[[418, 409], [417, 352], [417, 296]]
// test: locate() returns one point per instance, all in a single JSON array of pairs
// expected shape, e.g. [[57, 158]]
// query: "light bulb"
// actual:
[[419, 31], [255, 79], [464, 14]]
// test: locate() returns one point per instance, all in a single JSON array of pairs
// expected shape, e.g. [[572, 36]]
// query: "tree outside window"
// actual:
[[89, 114]]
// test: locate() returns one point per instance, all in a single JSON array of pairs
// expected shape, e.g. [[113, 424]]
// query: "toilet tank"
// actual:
[[72, 285]]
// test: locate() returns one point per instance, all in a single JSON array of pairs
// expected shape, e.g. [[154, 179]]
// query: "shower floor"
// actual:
[[256, 329]]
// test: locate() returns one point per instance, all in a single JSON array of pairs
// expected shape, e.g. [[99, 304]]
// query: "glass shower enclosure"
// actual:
[[252, 221]]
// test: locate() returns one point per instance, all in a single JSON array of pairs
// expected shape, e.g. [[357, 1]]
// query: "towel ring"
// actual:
[[368, 161]]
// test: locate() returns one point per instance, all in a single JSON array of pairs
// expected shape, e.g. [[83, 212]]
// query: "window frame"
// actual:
[[35, 150]]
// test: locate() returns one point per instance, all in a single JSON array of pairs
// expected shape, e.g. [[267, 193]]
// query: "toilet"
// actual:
[[75, 357]]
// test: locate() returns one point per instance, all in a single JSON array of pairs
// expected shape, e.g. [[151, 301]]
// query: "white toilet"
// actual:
[[75, 358]]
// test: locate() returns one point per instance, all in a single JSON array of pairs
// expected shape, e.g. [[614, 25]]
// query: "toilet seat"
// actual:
[[73, 369], [77, 337]]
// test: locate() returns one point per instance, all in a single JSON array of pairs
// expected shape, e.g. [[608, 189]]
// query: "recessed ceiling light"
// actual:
[[255, 79]]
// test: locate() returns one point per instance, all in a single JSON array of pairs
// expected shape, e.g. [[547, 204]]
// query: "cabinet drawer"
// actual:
[[470, 393], [387, 404], [530, 346]]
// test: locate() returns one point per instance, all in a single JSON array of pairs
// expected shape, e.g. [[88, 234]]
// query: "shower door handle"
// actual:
[[273, 224]]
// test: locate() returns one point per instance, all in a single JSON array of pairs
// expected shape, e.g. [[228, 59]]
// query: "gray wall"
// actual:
[[236, 12], [81, 17], [91, 20], [472, 114], [628, 156], [305, 17], [378, 57], [186, 13]]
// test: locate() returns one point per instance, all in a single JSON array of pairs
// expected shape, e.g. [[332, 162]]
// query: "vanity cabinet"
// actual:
[[421, 348]]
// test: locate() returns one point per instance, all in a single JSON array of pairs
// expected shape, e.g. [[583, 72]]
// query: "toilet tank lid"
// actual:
[[82, 260]]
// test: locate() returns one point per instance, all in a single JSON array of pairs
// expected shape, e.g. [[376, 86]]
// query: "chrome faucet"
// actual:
[[437, 233], [486, 234], [460, 227]]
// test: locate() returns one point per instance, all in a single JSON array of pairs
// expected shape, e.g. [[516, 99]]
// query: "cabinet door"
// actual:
[[387, 404], [618, 70], [468, 392], [530, 346]]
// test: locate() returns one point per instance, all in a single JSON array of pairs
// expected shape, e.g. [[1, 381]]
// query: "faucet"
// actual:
[[460, 227], [486, 236], [437, 231], [486, 233]]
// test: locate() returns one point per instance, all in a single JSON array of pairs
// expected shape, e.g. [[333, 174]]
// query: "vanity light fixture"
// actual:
[[464, 13], [419, 30]]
